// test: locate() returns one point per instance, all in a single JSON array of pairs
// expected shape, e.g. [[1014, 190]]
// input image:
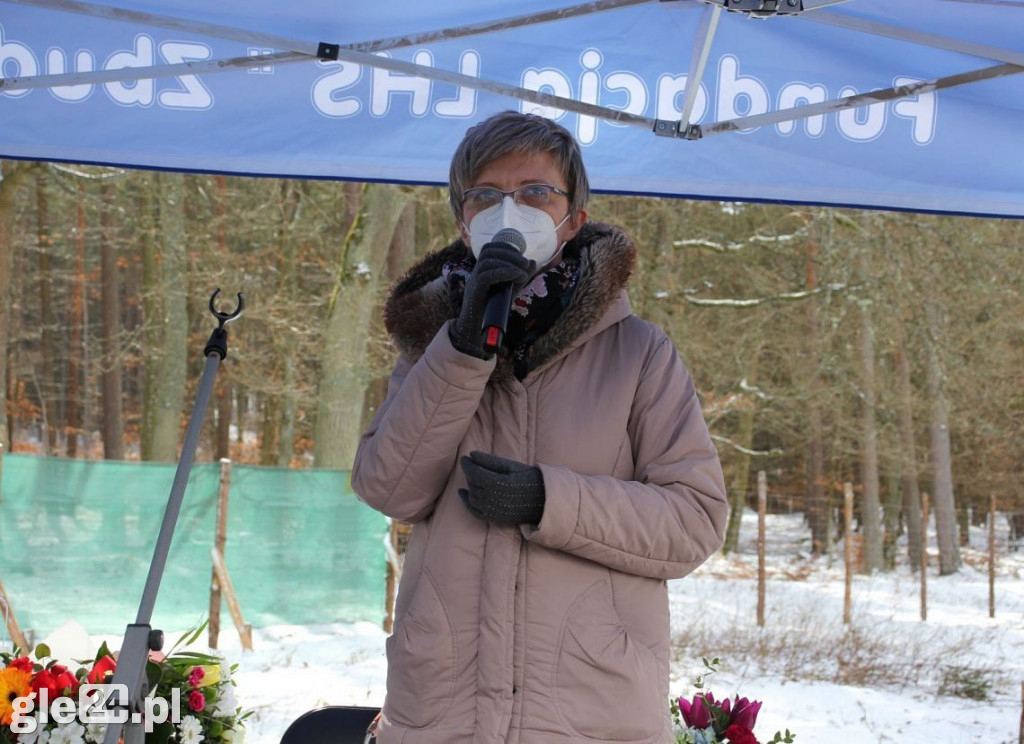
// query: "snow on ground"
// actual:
[[876, 680]]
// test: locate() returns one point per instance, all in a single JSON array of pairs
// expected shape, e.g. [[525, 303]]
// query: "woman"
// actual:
[[553, 486]]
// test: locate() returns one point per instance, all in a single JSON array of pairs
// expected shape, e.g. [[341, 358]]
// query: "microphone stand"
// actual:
[[126, 710]]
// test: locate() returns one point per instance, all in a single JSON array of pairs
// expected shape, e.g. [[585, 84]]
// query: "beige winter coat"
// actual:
[[557, 632]]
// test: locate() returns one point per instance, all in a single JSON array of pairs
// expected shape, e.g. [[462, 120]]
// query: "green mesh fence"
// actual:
[[77, 538]]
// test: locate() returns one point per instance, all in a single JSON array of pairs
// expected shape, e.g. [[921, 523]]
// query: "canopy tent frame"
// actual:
[[369, 53]]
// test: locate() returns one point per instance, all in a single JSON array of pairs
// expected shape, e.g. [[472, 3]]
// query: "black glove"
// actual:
[[502, 491], [498, 263]]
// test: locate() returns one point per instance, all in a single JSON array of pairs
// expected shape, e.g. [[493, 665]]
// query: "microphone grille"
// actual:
[[512, 237]]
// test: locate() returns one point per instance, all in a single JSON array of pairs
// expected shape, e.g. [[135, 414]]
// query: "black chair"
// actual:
[[335, 724]]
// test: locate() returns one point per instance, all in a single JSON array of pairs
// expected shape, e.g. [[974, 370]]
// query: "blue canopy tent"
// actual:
[[914, 105]]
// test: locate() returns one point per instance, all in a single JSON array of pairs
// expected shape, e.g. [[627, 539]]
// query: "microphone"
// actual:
[[499, 303]]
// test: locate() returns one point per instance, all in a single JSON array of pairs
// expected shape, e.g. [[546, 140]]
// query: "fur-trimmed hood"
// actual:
[[420, 302]]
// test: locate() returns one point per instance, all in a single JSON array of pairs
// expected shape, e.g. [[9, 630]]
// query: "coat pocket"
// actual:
[[421, 661], [606, 684]]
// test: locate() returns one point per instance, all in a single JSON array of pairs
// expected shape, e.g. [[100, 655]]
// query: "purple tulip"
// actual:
[[744, 712], [697, 713]]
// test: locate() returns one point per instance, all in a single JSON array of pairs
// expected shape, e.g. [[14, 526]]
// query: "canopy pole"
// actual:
[[699, 60], [339, 53], [921, 38], [312, 48], [861, 99], [121, 74], [173, 24]]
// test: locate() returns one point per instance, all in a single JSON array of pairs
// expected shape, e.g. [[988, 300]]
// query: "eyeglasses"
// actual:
[[537, 195]]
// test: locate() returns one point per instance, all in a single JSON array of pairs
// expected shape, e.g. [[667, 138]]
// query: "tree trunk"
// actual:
[[75, 388], [269, 429], [942, 462], [222, 431], [908, 460], [110, 306], [817, 498], [870, 502], [14, 174], [344, 374], [152, 331], [741, 467], [48, 387], [172, 324], [286, 427], [290, 198], [890, 519], [400, 255]]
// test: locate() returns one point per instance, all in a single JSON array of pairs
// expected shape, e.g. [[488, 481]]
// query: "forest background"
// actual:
[[827, 345]]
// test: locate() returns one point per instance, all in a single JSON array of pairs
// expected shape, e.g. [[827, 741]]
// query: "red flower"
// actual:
[[57, 681], [23, 663], [698, 713], [101, 669], [196, 676], [744, 713], [197, 701], [739, 735], [67, 681]]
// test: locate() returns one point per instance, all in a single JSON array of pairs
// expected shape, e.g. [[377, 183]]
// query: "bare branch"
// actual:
[[753, 390], [754, 302], [736, 246], [745, 450]]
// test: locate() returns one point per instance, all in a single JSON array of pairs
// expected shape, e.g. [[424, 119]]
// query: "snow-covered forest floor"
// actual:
[[886, 677]]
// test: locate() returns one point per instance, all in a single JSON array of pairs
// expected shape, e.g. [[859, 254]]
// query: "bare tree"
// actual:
[[48, 388], [941, 458], [908, 461], [110, 283], [170, 324], [15, 174], [870, 505], [344, 374], [76, 388]]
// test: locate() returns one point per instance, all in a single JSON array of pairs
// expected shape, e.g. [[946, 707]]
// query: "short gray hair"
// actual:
[[513, 132]]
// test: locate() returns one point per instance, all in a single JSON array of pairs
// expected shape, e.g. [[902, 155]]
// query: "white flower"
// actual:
[[38, 736], [226, 704], [190, 730], [96, 732], [68, 733]]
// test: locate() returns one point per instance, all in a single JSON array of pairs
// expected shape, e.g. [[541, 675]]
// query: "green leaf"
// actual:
[[154, 674], [196, 658], [42, 651], [189, 637], [162, 733], [103, 651]]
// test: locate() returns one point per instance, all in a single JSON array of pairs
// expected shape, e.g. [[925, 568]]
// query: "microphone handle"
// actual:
[[496, 317]]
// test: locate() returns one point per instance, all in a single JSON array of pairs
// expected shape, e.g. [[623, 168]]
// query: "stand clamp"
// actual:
[[218, 343]]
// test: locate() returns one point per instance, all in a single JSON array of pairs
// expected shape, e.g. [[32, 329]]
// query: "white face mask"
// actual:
[[536, 225]]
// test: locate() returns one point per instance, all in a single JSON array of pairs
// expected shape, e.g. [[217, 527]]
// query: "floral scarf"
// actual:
[[534, 310]]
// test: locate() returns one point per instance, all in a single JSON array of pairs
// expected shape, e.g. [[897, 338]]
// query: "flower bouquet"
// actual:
[[704, 720], [191, 698]]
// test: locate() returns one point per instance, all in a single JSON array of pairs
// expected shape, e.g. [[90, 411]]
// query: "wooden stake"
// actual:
[[13, 629], [924, 556], [244, 629], [992, 555], [848, 550], [220, 541], [762, 508]]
